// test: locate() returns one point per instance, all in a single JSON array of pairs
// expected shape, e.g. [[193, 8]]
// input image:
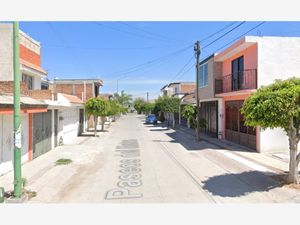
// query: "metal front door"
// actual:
[[81, 121], [236, 130], [41, 133], [55, 127], [209, 112]]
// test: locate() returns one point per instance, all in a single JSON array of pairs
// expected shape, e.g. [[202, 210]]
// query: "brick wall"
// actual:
[[89, 91], [7, 87], [187, 88], [30, 56], [77, 90], [64, 88], [40, 94]]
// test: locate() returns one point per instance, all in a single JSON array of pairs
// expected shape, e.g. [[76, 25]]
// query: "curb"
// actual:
[[224, 146]]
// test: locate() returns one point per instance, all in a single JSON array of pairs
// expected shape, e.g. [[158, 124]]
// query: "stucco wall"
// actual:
[[6, 141], [68, 127], [278, 58], [250, 60], [6, 53], [214, 71], [274, 140]]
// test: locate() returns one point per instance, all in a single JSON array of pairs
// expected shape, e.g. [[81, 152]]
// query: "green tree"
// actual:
[[158, 109], [123, 99], [190, 113], [96, 107], [114, 109], [278, 106], [139, 104], [170, 106], [149, 107]]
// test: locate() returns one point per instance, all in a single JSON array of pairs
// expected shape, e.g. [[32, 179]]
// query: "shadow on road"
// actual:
[[187, 140], [241, 184]]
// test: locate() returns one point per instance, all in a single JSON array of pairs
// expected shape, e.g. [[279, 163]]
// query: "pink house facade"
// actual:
[[247, 65]]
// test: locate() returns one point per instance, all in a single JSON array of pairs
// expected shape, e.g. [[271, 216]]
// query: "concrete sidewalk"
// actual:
[[46, 178], [267, 160]]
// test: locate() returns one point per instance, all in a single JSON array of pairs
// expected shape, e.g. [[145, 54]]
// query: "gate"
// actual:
[[209, 112], [41, 133], [236, 130], [81, 121], [55, 127]]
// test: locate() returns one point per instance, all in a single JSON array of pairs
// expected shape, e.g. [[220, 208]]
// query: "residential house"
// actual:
[[37, 115], [248, 64], [84, 89], [210, 106], [177, 89]]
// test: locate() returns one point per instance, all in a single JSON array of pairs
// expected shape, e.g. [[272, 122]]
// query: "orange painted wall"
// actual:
[[250, 60], [30, 56]]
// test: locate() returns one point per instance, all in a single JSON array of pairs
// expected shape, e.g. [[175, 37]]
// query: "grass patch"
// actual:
[[63, 161]]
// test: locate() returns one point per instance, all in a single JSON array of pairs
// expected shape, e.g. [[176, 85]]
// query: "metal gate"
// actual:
[[236, 130], [81, 121], [41, 133], [55, 127], [209, 112]]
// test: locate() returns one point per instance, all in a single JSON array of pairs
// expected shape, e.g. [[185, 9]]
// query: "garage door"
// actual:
[[41, 133], [236, 130]]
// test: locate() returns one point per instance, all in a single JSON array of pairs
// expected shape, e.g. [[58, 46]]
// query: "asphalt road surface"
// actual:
[[142, 163]]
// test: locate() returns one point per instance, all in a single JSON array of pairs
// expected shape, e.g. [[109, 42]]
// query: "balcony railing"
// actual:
[[242, 80]]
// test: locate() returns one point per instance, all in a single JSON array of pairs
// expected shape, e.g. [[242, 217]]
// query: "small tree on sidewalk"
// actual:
[[278, 106], [139, 104], [149, 107], [96, 107], [189, 112], [170, 105], [115, 108]]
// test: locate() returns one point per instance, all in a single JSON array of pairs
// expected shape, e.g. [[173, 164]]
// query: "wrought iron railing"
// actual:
[[242, 80]]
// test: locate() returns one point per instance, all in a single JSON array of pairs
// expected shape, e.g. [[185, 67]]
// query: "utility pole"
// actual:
[[17, 121], [147, 97], [197, 55]]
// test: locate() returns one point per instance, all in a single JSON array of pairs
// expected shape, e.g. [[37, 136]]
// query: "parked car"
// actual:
[[151, 119]]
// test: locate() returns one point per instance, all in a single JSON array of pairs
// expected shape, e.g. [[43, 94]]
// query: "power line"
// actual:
[[62, 40], [108, 48], [241, 36], [213, 34], [149, 63], [226, 45], [185, 72], [128, 32], [163, 62], [182, 69], [151, 33], [224, 34]]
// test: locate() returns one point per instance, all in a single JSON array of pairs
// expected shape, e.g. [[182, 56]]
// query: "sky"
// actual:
[[140, 57]]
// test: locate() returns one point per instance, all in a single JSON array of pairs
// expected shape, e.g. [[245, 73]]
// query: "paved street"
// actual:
[[134, 162]]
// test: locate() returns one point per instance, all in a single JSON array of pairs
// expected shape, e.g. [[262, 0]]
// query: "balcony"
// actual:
[[242, 80]]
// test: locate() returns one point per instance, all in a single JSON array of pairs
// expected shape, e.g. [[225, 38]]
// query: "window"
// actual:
[[203, 75], [28, 81], [176, 90]]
